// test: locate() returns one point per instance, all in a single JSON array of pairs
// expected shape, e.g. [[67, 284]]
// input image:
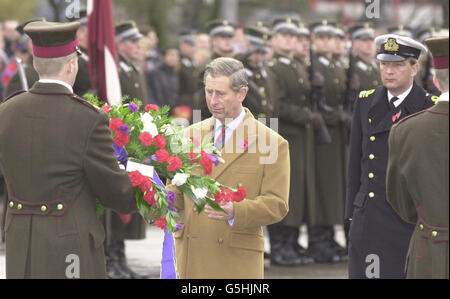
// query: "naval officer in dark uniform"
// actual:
[[378, 237]]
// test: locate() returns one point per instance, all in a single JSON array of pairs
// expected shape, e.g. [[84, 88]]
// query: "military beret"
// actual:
[[127, 31], [220, 28], [362, 31], [438, 47], [52, 40], [80, 17], [393, 47], [401, 30], [323, 27], [285, 25], [22, 25]]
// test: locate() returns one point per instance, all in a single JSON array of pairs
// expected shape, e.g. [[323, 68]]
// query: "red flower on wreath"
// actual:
[[174, 164], [146, 184], [193, 157], [136, 178], [146, 138], [206, 162], [151, 107], [121, 139], [162, 155], [160, 141], [240, 194], [115, 124], [149, 197], [107, 108], [161, 222]]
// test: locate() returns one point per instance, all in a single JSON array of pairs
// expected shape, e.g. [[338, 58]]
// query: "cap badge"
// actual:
[[391, 45]]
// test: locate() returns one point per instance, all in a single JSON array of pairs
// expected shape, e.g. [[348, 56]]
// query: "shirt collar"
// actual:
[[231, 126], [57, 82], [443, 97], [400, 97]]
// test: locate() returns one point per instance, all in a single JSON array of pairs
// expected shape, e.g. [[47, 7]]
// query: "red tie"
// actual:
[[220, 141]]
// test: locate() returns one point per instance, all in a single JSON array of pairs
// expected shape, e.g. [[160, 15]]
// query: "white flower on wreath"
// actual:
[[180, 179], [199, 192], [149, 125], [168, 130]]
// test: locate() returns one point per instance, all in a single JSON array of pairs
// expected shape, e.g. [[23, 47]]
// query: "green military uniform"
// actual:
[[426, 71], [82, 83], [56, 165], [417, 179], [131, 81], [188, 76]]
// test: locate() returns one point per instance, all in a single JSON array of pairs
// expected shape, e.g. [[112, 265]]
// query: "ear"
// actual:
[[436, 83], [415, 69], [242, 94]]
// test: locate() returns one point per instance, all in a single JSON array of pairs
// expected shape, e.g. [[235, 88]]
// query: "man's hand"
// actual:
[[227, 207]]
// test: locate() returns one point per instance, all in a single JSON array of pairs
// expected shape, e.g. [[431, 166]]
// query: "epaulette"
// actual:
[[271, 63], [86, 103], [433, 98], [14, 94], [366, 93]]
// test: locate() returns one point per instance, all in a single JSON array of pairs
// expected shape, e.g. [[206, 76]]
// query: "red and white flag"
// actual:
[[103, 62]]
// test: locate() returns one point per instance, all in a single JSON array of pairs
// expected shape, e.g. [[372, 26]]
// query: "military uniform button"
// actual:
[[194, 209], [264, 102], [11, 204], [371, 175], [421, 226], [301, 81], [59, 207], [371, 195], [19, 206], [371, 156], [370, 120], [43, 208], [434, 234], [262, 91], [136, 85], [332, 66], [372, 138], [258, 76]]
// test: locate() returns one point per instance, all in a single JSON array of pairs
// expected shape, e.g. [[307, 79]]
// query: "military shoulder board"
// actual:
[[284, 60], [186, 62], [362, 65], [324, 61], [435, 99], [125, 67], [366, 93], [249, 72], [84, 102], [264, 73]]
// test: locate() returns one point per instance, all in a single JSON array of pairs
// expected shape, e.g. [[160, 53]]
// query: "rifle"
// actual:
[[23, 78], [321, 134]]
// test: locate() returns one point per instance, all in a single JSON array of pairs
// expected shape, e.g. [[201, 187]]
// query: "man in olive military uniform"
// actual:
[[257, 100], [330, 157], [221, 33], [378, 237], [363, 72], [120, 227], [56, 155], [289, 92], [131, 79], [417, 176], [188, 76], [82, 83], [18, 81], [426, 71]]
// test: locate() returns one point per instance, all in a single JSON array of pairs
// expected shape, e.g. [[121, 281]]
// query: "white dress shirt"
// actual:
[[230, 127], [66, 85], [400, 97]]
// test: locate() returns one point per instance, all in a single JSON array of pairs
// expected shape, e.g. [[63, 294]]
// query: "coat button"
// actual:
[[11, 204], [372, 138], [264, 102], [258, 76], [43, 208], [194, 209], [421, 226], [301, 81], [371, 156], [220, 240], [59, 207], [19, 206], [370, 120], [371, 195], [136, 85], [371, 175], [434, 234]]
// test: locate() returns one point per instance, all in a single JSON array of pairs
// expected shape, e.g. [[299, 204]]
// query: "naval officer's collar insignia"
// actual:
[[391, 45]]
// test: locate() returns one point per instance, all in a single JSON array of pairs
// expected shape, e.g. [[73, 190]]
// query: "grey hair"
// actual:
[[228, 67]]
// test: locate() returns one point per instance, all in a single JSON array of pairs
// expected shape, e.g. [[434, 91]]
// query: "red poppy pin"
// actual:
[[395, 117]]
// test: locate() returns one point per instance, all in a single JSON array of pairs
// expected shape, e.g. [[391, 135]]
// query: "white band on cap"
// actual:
[[363, 31], [285, 25], [255, 40], [222, 29], [324, 28], [127, 33]]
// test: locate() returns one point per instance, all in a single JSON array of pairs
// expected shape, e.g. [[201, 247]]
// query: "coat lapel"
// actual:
[[238, 144], [379, 112]]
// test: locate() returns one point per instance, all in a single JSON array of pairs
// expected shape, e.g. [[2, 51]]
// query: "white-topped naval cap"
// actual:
[[392, 47]]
